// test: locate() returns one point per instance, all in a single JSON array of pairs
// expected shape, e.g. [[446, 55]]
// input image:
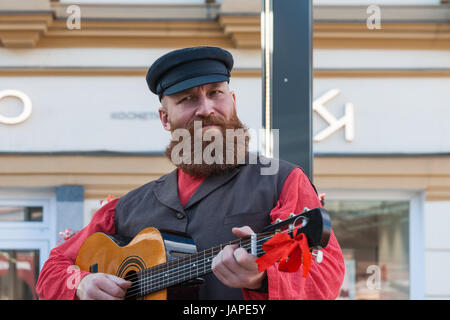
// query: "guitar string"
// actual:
[[177, 276], [152, 287], [186, 266], [155, 279], [167, 265], [135, 290], [169, 270], [171, 263], [177, 273], [190, 259]]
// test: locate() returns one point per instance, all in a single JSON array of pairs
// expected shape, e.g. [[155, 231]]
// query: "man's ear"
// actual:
[[233, 95], [164, 117]]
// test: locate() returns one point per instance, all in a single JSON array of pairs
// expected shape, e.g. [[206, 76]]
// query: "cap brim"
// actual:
[[195, 82]]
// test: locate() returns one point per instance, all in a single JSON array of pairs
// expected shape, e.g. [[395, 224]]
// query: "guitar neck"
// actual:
[[192, 266]]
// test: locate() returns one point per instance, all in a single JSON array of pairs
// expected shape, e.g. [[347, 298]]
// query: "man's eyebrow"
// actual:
[[217, 84], [179, 94]]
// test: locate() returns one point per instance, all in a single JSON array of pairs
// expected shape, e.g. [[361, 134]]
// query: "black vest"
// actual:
[[237, 198]]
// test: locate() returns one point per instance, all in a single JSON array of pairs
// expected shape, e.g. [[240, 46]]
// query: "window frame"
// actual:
[[31, 235], [44, 203]]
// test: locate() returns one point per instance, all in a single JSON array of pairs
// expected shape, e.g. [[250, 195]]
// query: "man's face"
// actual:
[[214, 100], [214, 107]]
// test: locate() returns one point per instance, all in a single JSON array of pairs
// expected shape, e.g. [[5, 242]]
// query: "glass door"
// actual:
[[374, 237], [19, 271], [381, 236], [27, 232]]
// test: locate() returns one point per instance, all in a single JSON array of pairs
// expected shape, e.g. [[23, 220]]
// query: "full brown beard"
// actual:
[[203, 169]]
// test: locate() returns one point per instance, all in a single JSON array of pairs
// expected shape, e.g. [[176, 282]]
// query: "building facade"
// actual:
[[78, 123]]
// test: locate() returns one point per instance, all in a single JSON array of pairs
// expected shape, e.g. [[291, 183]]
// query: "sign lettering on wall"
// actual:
[[347, 121]]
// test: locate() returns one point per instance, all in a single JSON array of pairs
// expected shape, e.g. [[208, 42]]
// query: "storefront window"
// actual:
[[374, 237], [19, 270], [18, 213]]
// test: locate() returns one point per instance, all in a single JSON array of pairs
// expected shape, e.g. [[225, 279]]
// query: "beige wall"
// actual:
[[104, 175]]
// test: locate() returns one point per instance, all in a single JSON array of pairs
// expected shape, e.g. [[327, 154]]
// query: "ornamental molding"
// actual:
[[190, 25]]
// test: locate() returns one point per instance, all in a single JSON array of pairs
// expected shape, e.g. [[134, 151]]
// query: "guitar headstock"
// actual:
[[314, 223]]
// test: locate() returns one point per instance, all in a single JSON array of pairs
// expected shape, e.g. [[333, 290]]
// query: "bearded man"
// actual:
[[215, 195]]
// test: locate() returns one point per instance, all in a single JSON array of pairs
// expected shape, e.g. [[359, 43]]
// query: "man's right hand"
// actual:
[[102, 286]]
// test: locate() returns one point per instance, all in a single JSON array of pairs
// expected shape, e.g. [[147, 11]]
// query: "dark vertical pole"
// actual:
[[288, 72]]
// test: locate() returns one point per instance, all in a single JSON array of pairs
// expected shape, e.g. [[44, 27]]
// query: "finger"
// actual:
[[228, 259], [222, 272], [245, 260], [101, 295], [124, 284], [242, 232], [110, 287], [226, 277], [234, 275]]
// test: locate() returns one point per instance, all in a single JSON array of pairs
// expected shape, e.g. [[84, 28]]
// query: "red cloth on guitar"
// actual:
[[325, 279], [57, 279]]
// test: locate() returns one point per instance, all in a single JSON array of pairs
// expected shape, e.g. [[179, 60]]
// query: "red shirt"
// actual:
[[58, 279], [187, 185]]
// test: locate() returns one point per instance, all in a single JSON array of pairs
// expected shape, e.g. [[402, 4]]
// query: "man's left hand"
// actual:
[[235, 267]]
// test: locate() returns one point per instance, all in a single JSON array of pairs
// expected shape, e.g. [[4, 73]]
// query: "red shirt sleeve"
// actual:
[[324, 279], [58, 278]]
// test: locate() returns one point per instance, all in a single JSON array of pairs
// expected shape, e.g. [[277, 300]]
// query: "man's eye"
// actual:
[[215, 92], [184, 99]]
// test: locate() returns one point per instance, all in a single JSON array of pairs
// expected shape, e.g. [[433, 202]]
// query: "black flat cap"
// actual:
[[186, 68]]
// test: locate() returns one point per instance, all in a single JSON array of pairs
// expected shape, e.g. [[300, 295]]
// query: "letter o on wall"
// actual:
[[27, 107]]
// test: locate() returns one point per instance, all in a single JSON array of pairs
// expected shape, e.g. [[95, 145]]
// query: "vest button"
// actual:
[[180, 215]]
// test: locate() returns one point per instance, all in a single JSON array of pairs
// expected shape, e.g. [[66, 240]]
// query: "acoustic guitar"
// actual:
[[157, 260]]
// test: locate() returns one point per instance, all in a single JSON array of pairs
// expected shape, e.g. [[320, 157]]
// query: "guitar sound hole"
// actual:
[[134, 288], [131, 276]]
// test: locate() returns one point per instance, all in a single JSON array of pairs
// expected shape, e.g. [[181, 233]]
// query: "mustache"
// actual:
[[208, 121]]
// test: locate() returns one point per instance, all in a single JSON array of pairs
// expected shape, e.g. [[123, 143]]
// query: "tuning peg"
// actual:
[[278, 221], [305, 209], [318, 256], [291, 215]]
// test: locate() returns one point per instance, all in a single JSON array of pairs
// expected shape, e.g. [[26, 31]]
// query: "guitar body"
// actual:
[[102, 253]]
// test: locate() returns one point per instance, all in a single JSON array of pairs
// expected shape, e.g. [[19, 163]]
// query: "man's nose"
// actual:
[[205, 106]]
